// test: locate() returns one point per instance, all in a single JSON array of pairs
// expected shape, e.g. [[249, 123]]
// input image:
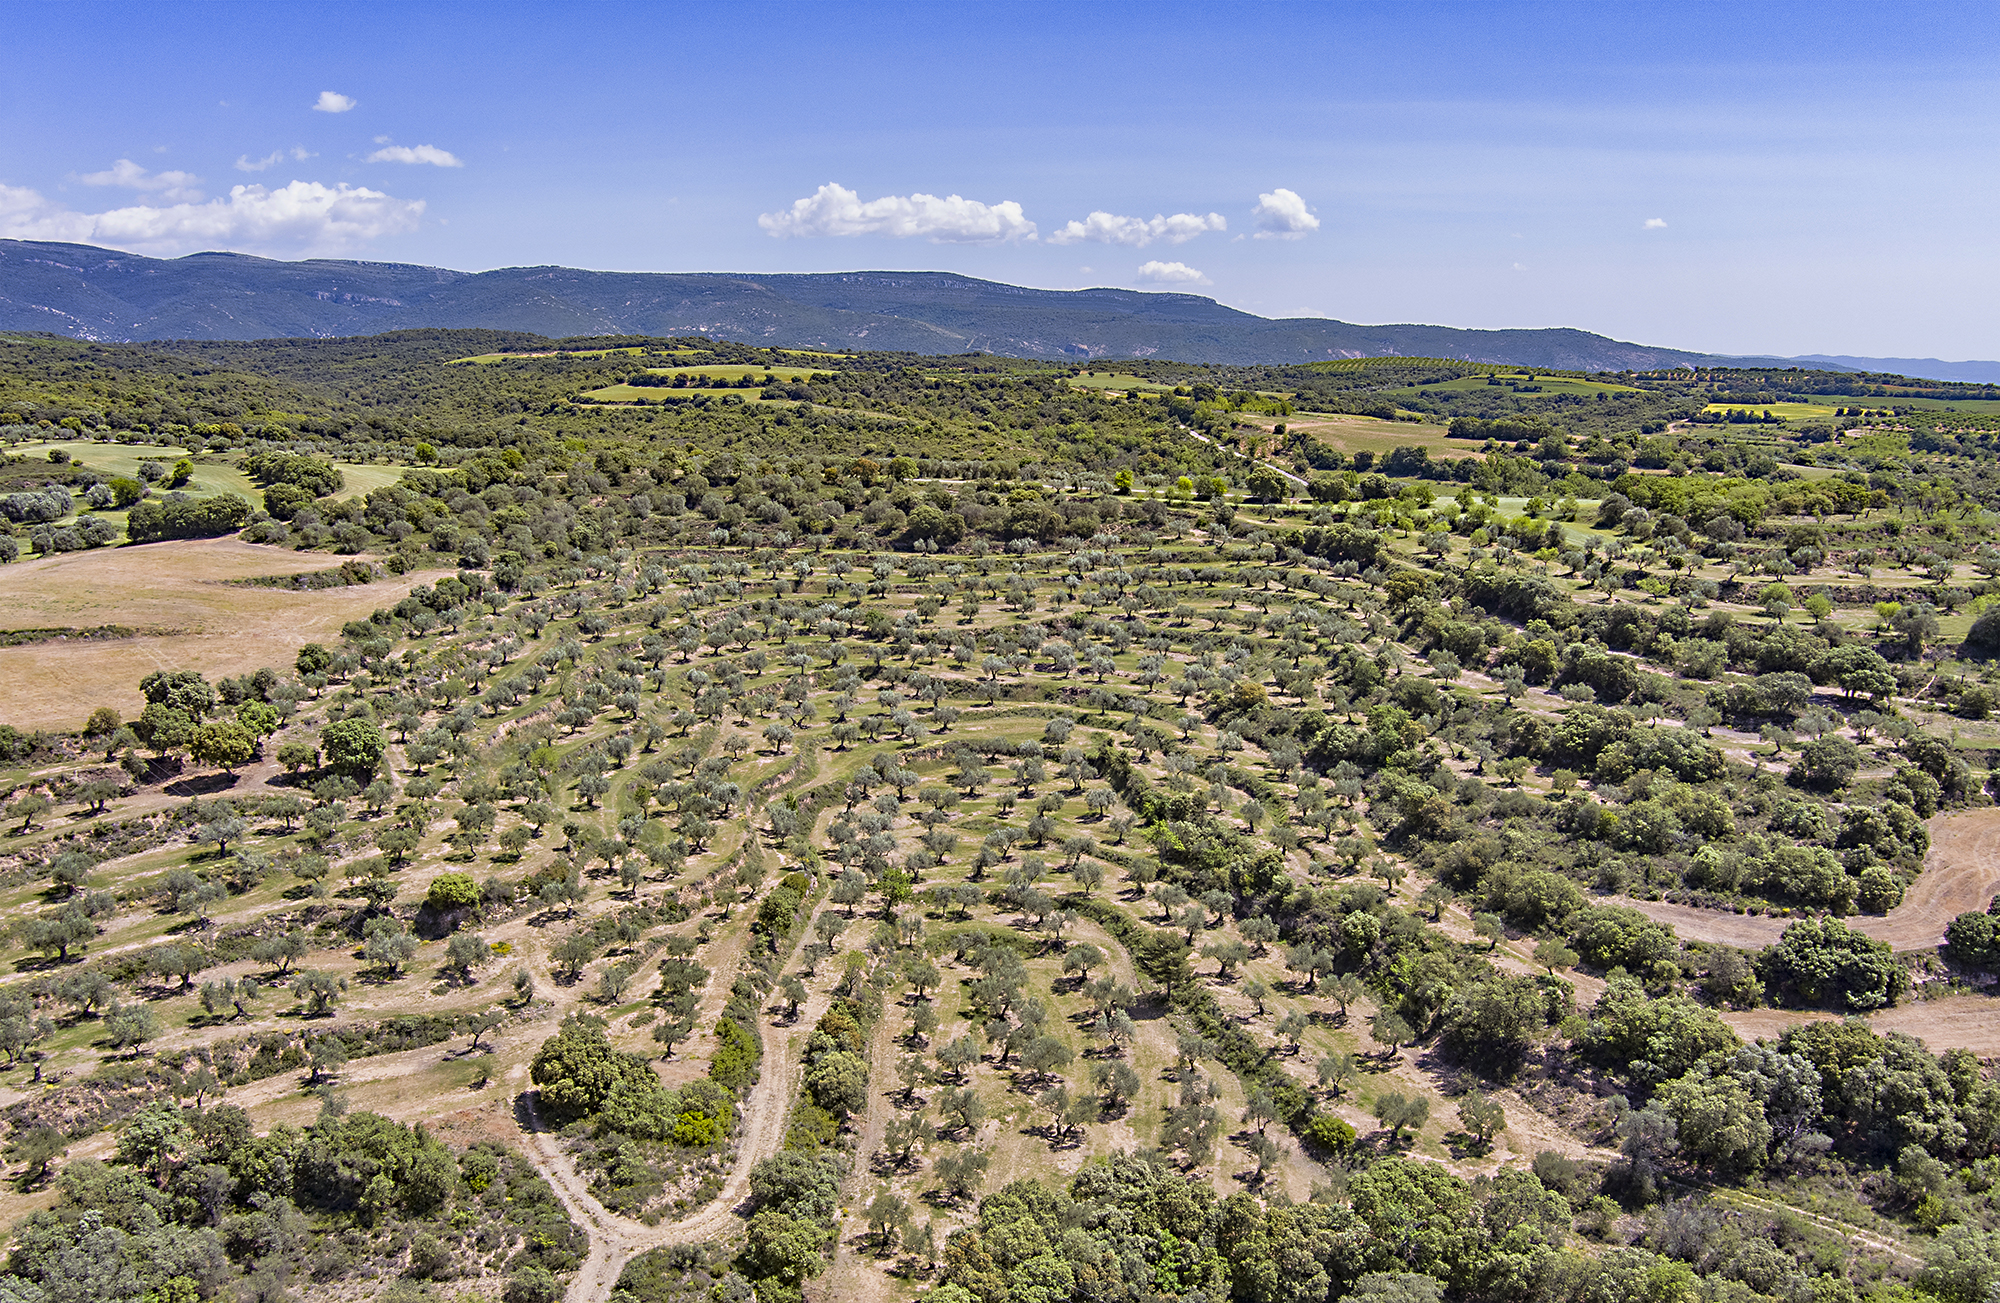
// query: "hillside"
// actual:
[[101, 294], [669, 824]]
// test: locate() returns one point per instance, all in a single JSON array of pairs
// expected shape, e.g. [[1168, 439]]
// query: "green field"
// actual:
[[1549, 385], [736, 371], [362, 480], [209, 478], [123, 459], [633, 393], [1789, 411], [486, 359], [1116, 380]]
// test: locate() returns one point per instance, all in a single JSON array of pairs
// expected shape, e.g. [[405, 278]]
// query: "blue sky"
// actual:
[[1783, 178]]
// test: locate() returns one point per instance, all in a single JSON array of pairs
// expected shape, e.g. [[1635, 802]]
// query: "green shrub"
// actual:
[[1330, 1133], [734, 1066], [452, 891]]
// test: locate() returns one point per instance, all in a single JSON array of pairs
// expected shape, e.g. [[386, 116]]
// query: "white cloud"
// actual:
[[303, 217], [1137, 232], [1656, 223], [1282, 215], [1170, 273], [835, 210], [245, 163], [129, 175], [415, 154], [332, 101]]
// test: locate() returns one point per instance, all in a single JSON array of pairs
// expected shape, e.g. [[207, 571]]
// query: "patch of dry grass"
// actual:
[[190, 618]]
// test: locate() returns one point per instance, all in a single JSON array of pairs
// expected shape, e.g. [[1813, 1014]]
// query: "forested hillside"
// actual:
[[106, 295]]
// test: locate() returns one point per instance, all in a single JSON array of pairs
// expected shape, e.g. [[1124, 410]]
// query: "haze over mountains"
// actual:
[[103, 294]]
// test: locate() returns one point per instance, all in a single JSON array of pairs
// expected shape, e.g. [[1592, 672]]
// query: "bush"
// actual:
[[838, 1082], [1827, 764], [1654, 1040], [533, 1283], [178, 516], [1879, 891], [1983, 639], [1823, 961], [1973, 940], [734, 1066], [1330, 1133], [799, 1185], [452, 891], [353, 746], [1613, 936], [317, 477], [577, 1069], [1494, 1022]]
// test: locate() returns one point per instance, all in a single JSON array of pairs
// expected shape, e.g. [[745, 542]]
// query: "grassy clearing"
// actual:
[[1117, 380], [210, 476], [1351, 434], [362, 480], [735, 372], [1789, 411], [637, 393], [1547, 385], [175, 589]]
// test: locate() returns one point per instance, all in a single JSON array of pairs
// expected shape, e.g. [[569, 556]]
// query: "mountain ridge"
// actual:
[[88, 292]]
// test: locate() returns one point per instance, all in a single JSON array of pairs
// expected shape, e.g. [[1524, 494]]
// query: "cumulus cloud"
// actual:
[[1282, 215], [1137, 232], [304, 217], [125, 173], [415, 154], [332, 101], [1656, 223], [245, 163], [1170, 273], [835, 210]]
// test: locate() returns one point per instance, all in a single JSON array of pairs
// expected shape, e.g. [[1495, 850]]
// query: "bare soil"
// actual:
[[1961, 873]]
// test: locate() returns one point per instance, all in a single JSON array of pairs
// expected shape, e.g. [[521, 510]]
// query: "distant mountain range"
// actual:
[[102, 294]]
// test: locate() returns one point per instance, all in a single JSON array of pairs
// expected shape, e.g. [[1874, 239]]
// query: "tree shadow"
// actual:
[[201, 785]]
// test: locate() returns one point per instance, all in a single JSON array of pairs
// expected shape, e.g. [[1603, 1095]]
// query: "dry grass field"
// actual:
[[188, 617], [1353, 434]]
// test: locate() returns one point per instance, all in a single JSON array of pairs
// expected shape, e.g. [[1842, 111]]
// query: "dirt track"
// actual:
[[1961, 873], [614, 1240]]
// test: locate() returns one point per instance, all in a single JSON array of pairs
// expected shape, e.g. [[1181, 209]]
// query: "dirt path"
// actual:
[[1874, 1240], [614, 1240], [1961, 873]]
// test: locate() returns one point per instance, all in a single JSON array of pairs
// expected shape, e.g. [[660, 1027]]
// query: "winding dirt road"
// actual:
[[1961, 873], [615, 1240]]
